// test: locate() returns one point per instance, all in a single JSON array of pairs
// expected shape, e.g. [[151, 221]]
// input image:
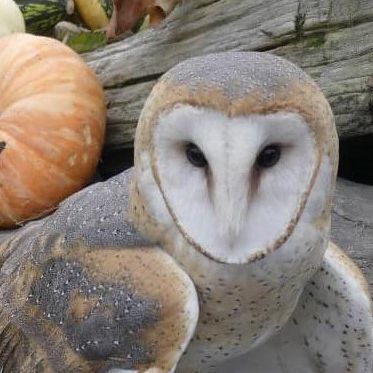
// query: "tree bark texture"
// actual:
[[352, 224], [330, 39]]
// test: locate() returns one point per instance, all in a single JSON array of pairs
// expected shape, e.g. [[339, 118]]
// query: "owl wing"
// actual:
[[330, 331], [91, 294]]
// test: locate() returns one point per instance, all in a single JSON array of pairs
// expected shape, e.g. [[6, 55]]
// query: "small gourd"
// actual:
[[95, 13], [11, 19], [42, 15]]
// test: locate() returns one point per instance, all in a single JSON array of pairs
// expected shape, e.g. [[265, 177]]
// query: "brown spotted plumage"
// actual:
[[94, 294]]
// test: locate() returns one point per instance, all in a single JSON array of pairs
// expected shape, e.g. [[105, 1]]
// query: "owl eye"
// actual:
[[269, 156], [195, 155]]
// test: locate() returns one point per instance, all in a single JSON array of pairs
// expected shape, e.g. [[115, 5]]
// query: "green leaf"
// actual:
[[87, 41], [78, 38]]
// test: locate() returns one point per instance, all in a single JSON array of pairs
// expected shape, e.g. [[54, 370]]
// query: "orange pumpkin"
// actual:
[[52, 124]]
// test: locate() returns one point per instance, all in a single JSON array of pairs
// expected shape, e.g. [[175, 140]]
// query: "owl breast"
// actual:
[[241, 306]]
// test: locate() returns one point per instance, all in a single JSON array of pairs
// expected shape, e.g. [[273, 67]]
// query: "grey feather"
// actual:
[[236, 73], [97, 215]]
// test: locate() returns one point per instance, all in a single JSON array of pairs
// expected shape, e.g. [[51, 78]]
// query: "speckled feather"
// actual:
[[239, 74], [92, 292], [330, 330], [93, 216]]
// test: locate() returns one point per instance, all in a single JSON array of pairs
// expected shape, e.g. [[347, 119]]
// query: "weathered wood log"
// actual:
[[352, 224], [332, 40]]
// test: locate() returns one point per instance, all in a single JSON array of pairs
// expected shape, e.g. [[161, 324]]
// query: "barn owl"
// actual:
[[212, 254]]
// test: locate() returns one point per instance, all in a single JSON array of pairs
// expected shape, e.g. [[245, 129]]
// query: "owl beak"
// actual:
[[230, 198]]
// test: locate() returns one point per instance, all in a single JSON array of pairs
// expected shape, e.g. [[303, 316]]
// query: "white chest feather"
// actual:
[[241, 306]]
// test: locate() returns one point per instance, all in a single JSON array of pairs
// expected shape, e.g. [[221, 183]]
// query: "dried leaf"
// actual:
[[128, 13], [166, 5], [156, 15]]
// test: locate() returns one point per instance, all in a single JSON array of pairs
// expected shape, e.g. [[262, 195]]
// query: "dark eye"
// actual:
[[195, 155], [269, 156]]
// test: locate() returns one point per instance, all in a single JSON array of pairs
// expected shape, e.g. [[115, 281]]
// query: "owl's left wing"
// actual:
[[90, 294], [330, 331]]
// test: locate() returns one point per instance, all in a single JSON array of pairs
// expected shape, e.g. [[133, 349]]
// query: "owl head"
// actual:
[[232, 151]]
